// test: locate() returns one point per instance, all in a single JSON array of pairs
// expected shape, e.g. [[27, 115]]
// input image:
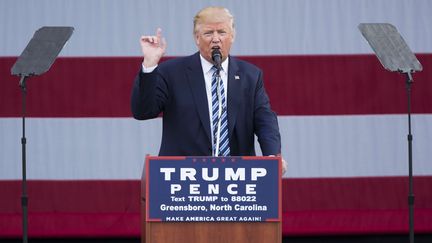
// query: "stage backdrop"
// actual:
[[342, 117]]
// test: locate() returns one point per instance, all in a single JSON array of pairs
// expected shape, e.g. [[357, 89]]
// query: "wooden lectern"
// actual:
[[206, 232]]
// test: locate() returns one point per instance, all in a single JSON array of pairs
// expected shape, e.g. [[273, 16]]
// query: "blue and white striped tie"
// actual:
[[219, 117]]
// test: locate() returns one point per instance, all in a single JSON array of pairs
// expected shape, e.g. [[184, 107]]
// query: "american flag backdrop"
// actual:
[[342, 117]]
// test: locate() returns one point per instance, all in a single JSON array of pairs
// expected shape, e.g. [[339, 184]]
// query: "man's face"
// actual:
[[214, 35]]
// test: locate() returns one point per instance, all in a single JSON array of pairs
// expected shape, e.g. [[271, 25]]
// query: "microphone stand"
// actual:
[[217, 59], [219, 97]]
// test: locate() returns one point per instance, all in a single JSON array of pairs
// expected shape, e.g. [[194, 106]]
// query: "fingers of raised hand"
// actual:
[[149, 39], [163, 43], [159, 33], [155, 39]]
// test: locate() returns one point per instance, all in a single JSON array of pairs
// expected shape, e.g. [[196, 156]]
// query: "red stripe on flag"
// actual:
[[310, 207], [297, 85]]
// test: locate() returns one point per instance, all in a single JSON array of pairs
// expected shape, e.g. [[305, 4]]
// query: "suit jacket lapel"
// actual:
[[197, 84], [234, 90]]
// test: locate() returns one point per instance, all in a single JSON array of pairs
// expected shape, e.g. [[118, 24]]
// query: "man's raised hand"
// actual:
[[153, 48]]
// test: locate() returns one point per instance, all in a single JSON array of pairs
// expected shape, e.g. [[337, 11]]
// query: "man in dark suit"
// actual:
[[181, 89]]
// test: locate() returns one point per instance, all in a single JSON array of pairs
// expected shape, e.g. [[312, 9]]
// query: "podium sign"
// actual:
[[208, 189]]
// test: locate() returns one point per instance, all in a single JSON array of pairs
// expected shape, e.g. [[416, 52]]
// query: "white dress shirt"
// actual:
[[208, 76]]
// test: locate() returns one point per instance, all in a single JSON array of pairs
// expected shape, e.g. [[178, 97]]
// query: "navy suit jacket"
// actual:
[[177, 89]]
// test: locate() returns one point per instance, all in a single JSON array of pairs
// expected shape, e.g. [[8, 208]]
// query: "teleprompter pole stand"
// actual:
[[395, 55], [409, 82], [36, 59], [24, 197]]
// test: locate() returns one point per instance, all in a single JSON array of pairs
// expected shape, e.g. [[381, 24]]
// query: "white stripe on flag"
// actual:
[[314, 146]]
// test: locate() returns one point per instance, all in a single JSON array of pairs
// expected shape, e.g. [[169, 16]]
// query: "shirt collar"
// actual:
[[206, 65]]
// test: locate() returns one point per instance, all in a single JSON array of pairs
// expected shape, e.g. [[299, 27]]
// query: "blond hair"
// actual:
[[213, 15]]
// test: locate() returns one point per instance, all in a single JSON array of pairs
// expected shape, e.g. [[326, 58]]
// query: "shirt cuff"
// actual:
[[148, 69]]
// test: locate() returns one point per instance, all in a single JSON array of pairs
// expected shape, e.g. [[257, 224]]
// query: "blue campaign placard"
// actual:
[[183, 189]]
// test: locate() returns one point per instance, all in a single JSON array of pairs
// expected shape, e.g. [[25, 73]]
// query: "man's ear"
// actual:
[[233, 36], [196, 38]]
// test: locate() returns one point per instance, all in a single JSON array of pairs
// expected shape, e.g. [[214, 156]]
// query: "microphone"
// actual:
[[217, 58]]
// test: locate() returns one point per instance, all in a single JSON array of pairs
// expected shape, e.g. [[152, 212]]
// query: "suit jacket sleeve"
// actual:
[[149, 95], [265, 122]]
